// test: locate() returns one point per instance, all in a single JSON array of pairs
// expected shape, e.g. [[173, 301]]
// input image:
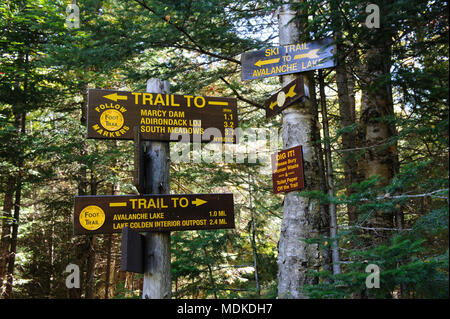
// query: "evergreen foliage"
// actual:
[[46, 68]]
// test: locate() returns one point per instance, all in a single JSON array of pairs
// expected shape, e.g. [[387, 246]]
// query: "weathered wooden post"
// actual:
[[157, 283]]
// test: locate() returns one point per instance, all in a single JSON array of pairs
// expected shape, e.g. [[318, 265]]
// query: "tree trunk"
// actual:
[[347, 112], [252, 236], [109, 240], [6, 230], [301, 214], [210, 273], [324, 224], [90, 264], [330, 180], [81, 243], [376, 106], [19, 123]]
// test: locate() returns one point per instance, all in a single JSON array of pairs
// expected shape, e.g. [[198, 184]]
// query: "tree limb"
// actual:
[[240, 97], [198, 48]]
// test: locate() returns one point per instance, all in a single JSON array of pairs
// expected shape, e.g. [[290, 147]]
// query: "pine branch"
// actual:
[[198, 47]]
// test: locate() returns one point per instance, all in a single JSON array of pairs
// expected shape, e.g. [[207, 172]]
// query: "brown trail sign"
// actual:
[[113, 114], [148, 213], [287, 170]]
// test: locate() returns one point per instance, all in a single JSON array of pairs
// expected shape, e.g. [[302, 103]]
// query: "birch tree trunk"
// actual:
[[301, 214]]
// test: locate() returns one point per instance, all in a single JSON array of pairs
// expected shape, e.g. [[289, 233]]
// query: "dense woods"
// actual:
[[380, 130]]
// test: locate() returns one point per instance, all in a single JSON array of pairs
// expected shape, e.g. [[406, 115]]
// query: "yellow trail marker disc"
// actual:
[[92, 217], [112, 120]]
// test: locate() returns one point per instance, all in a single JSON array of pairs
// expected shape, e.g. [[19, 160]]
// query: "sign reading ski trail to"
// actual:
[[113, 114], [286, 59], [145, 213]]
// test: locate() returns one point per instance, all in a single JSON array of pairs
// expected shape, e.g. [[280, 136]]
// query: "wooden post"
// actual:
[[157, 283]]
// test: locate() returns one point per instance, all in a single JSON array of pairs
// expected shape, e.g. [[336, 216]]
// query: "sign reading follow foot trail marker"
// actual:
[[113, 114], [286, 59], [145, 213], [287, 170]]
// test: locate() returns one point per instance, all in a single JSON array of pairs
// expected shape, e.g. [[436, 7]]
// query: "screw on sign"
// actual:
[[287, 59], [294, 91], [287, 170], [146, 213], [160, 117]]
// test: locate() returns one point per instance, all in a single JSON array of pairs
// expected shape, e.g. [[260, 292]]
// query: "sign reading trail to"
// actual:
[[287, 170], [286, 96], [286, 59], [113, 114], [146, 213]]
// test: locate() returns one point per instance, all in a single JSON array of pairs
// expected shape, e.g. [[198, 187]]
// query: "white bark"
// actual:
[[300, 216]]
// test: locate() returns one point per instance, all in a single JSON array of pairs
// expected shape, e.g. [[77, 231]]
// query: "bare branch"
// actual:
[[240, 97]]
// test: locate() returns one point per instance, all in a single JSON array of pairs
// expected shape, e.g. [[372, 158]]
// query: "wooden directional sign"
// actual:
[[287, 170], [286, 59], [292, 92], [146, 213], [161, 117]]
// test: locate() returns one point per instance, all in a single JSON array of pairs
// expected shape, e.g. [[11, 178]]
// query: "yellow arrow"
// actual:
[[264, 62], [272, 105], [198, 202], [291, 92], [116, 97], [310, 54]]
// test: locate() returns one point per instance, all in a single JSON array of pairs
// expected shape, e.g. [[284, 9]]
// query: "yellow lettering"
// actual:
[[188, 98], [147, 97], [159, 100], [202, 99], [141, 203], [136, 97], [172, 101]]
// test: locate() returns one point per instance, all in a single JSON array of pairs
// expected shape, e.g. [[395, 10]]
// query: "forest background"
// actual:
[[385, 134]]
